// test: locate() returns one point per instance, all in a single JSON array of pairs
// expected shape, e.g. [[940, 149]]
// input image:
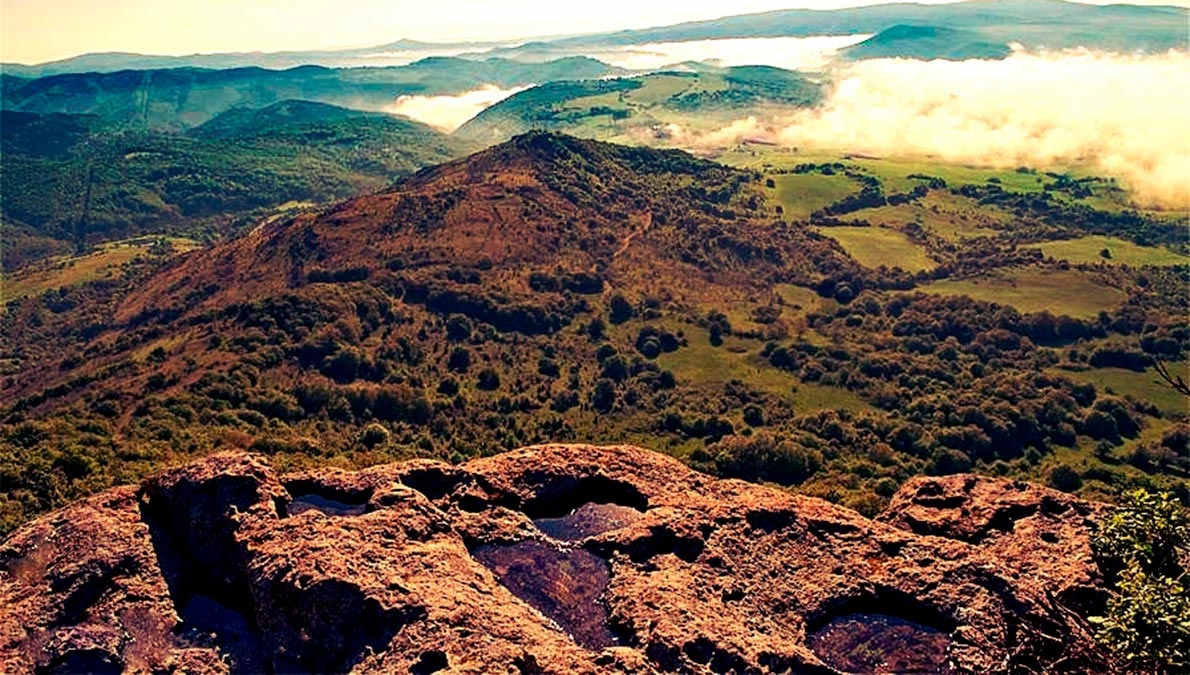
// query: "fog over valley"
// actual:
[[450, 112], [794, 53], [1126, 115]]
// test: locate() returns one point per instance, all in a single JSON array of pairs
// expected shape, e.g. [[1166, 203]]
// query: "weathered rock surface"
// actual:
[[224, 566]]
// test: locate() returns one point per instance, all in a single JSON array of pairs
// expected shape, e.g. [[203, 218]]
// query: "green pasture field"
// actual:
[[802, 194], [1122, 252], [1144, 386], [876, 246], [739, 359], [1061, 292]]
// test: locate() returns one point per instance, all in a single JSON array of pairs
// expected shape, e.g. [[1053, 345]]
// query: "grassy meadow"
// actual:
[[105, 262], [1089, 250], [1061, 292], [799, 195], [738, 359], [876, 246], [1144, 386]]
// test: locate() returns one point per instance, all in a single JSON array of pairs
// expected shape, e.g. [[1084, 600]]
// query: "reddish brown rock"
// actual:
[[81, 591], [1037, 535], [421, 567]]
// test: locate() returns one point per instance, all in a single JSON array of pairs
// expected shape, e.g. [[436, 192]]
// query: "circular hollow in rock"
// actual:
[[879, 644]]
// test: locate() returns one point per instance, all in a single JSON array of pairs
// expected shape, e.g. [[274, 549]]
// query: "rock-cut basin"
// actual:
[[878, 644]]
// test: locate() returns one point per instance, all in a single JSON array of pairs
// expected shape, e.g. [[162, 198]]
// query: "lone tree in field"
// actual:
[[619, 309]]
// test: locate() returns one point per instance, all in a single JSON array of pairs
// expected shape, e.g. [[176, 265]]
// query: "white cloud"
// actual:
[[448, 113], [790, 53], [1126, 114]]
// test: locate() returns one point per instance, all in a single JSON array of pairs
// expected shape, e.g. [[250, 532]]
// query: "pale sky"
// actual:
[[33, 31]]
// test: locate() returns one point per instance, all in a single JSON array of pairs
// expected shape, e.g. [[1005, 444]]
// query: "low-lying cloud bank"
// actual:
[[448, 113], [790, 52], [1129, 115]]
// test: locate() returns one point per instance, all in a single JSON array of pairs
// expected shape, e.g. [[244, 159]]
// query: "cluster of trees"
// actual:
[[760, 457], [479, 304], [1061, 215]]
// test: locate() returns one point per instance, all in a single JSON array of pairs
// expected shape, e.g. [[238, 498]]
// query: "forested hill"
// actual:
[[70, 182], [180, 98], [556, 289], [631, 108]]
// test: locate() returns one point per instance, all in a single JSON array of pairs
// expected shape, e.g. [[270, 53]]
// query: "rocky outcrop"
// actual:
[[422, 567]]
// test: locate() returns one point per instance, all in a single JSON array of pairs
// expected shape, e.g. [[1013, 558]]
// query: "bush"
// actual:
[[1064, 478], [460, 360], [615, 368], [1100, 425], [583, 283], [1144, 544], [619, 309], [458, 328], [718, 326], [1148, 621], [650, 348], [543, 283], [867, 504], [489, 380], [886, 487], [345, 366], [448, 386], [947, 462], [1177, 439], [548, 367], [603, 396], [764, 457], [374, 435], [1120, 356], [596, 329], [754, 416], [563, 401], [651, 342], [1153, 528], [75, 463]]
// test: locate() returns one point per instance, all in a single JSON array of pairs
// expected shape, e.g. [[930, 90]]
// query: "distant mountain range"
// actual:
[[988, 25], [397, 53], [180, 98], [170, 141], [1052, 24]]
